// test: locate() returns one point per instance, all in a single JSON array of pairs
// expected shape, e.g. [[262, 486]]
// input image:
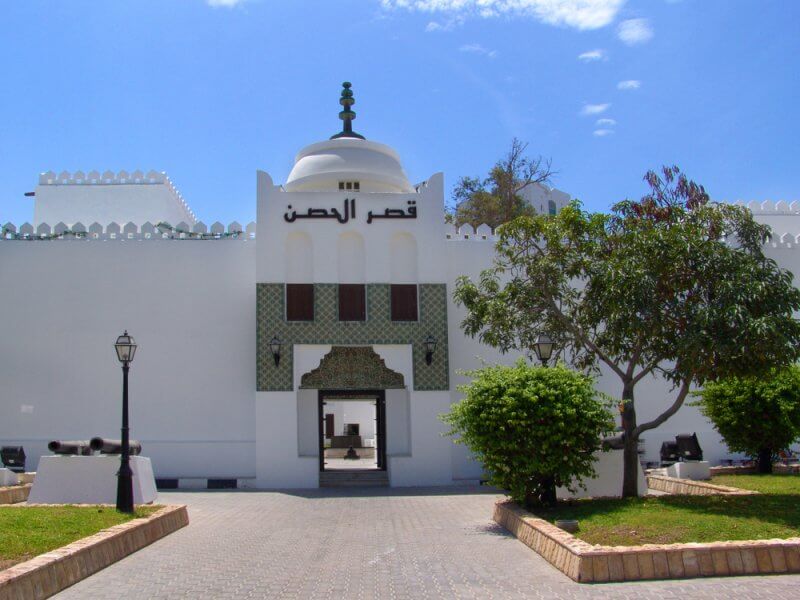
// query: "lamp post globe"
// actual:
[[543, 348], [126, 349]]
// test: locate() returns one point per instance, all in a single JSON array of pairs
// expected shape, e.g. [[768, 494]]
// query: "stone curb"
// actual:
[[15, 493], [690, 487], [586, 563], [49, 573]]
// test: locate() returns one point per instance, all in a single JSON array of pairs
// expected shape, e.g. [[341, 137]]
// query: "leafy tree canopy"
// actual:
[[497, 199], [533, 428], [672, 284], [758, 416]]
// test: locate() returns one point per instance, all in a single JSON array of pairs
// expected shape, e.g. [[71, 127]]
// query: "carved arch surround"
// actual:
[[352, 368]]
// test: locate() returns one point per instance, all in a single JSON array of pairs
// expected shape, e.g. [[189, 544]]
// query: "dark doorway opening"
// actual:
[[352, 443]]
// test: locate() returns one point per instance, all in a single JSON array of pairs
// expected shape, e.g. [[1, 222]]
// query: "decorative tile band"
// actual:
[[327, 329], [49, 573], [586, 563]]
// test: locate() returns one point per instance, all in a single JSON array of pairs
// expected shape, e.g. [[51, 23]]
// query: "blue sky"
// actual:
[[211, 90]]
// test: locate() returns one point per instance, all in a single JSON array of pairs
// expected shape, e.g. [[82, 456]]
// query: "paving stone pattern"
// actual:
[[404, 544]]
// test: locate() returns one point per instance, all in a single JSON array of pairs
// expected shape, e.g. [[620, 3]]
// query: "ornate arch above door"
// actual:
[[352, 368]]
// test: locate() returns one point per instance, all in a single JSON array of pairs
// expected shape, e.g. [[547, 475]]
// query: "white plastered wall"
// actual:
[[118, 203], [190, 305], [356, 251]]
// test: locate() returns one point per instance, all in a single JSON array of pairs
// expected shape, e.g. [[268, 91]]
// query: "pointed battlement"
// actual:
[[104, 197]]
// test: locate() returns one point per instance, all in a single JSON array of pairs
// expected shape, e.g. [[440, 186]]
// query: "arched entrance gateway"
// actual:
[[352, 440]]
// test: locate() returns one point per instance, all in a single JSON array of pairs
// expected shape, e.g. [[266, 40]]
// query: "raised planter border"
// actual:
[[690, 487], [587, 563], [13, 494], [49, 573]]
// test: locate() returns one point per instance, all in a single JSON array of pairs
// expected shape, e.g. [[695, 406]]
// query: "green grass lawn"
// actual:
[[28, 531], [679, 519], [766, 484]]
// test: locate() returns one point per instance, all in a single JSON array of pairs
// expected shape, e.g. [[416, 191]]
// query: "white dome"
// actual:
[[321, 166]]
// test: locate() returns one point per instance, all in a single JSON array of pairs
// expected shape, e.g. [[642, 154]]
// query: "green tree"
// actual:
[[759, 416], [497, 199], [673, 285], [532, 428]]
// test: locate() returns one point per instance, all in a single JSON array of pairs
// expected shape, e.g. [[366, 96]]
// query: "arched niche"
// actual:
[[351, 257], [299, 258], [403, 249]]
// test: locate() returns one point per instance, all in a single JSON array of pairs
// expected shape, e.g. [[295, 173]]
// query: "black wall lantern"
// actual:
[[430, 348], [543, 348], [275, 347]]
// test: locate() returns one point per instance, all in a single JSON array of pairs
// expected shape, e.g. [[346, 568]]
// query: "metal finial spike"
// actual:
[[347, 115]]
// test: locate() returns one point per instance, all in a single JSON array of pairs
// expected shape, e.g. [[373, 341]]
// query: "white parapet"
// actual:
[[123, 197], [697, 470], [608, 483], [8, 477], [89, 480]]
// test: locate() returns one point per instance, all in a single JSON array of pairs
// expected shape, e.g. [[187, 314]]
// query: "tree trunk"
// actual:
[[548, 492], [764, 460], [630, 481]]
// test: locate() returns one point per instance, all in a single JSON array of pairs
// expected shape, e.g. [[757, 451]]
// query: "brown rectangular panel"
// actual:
[[299, 302], [352, 302], [404, 302]]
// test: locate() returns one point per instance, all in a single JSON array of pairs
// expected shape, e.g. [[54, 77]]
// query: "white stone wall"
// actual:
[[122, 197], [191, 307], [545, 200], [326, 251]]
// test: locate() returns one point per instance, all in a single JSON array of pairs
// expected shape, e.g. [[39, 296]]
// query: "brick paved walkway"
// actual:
[[343, 544]]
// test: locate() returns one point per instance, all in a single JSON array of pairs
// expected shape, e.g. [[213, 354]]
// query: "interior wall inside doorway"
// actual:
[[352, 412]]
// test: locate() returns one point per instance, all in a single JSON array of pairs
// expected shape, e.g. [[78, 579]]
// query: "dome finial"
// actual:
[[347, 115]]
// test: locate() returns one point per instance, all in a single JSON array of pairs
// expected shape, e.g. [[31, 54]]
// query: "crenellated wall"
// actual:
[[193, 309], [87, 197], [129, 231]]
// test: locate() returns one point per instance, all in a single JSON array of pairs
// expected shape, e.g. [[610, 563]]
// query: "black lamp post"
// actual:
[[543, 348], [430, 348], [126, 348], [275, 347]]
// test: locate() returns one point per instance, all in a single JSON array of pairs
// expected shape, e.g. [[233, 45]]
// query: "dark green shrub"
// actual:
[[533, 428], [758, 416]]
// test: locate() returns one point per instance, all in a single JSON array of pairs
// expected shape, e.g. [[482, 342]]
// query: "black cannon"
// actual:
[[614, 443], [688, 447], [669, 454], [13, 458], [79, 448], [105, 446]]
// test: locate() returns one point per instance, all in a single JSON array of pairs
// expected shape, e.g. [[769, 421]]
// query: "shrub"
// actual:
[[758, 416], [533, 428]]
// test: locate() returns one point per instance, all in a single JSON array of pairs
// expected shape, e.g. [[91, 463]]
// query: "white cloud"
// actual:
[[594, 109], [602, 132], [478, 49], [580, 14], [445, 25], [635, 31], [629, 84], [593, 55], [605, 123], [224, 3]]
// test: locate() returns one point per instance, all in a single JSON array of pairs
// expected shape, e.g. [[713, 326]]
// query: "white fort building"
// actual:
[[267, 351]]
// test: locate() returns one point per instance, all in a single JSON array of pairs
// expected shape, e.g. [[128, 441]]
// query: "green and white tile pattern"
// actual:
[[327, 329]]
